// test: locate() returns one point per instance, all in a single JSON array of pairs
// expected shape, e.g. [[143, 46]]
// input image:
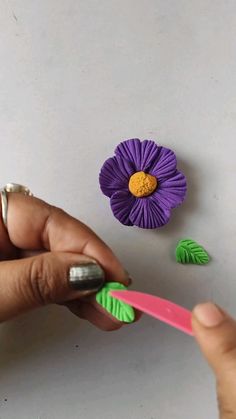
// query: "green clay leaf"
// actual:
[[189, 251], [122, 311]]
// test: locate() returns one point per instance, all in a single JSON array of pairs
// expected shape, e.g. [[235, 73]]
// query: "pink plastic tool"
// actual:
[[161, 309]]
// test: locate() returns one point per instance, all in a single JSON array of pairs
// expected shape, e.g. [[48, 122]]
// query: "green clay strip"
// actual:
[[121, 311], [189, 251]]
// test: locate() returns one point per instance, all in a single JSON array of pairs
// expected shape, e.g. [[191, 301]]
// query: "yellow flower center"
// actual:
[[142, 184]]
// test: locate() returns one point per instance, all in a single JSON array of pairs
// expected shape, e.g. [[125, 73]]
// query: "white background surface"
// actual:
[[76, 77]]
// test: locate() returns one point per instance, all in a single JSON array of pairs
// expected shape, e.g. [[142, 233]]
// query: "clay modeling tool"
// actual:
[[161, 309]]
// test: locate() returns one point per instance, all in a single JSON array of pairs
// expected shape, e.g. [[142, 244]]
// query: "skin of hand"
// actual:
[[37, 250], [215, 332]]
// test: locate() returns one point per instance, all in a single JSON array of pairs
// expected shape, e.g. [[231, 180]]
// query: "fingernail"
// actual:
[[130, 281], [86, 277], [128, 278], [208, 314]]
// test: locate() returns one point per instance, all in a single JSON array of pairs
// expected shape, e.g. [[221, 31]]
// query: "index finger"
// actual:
[[35, 225]]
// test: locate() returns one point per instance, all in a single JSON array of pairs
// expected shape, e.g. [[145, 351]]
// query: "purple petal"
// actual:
[[147, 213], [150, 152], [141, 154], [114, 175], [164, 165], [121, 204], [171, 192]]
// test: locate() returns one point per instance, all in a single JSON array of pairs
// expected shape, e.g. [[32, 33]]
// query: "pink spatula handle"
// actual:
[[161, 309]]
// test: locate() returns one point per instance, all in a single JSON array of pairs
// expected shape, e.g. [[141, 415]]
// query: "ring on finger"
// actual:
[[10, 188]]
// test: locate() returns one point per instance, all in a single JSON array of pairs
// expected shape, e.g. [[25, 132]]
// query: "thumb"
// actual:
[[215, 332], [52, 277]]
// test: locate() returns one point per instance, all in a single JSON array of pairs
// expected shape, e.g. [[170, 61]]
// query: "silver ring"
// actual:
[[10, 188], [4, 206]]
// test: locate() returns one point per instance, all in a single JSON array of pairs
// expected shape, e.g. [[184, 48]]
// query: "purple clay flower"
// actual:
[[143, 183]]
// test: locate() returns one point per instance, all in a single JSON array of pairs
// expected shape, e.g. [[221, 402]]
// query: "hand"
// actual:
[[55, 242], [215, 332]]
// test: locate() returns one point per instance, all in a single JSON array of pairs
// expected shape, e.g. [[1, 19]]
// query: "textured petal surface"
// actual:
[[147, 213], [141, 154], [164, 165], [114, 175], [171, 192], [122, 311], [189, 251], [121, 204], [133, 156]]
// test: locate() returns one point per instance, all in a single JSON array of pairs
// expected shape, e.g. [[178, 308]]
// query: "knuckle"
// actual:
[[54, 213], [225, 410], [229, 349], [226, 397], [42, 280], [228, 355], [57, 211]]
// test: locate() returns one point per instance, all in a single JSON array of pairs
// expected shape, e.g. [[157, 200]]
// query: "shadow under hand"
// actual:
[[33, 333]]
